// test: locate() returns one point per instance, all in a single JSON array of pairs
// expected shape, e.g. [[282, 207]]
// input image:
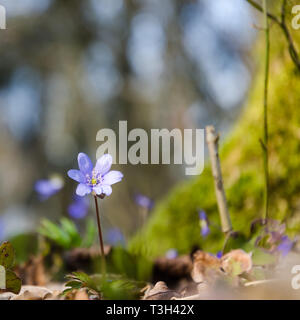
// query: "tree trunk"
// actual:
[[175, 224]]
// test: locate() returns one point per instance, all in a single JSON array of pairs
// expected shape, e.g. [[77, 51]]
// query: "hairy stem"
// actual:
[[103, 263]]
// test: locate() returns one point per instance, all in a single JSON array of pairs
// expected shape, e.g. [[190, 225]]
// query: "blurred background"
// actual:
[[69, 68]]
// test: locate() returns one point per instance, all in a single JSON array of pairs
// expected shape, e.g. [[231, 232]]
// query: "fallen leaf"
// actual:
[[32, 272], [160, 292], [206, 267], [34, 293], [13, 282], [7, 255], [236, 262]]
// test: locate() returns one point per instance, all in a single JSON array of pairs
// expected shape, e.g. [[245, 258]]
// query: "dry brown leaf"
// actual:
[[34, 293], [206, 267], [81, 295], [32, 272], [236, 262], [160, 292]]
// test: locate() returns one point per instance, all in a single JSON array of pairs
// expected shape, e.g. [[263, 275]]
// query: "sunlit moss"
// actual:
[[174, 223]]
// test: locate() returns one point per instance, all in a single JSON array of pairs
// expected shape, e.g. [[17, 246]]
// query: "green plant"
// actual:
[[66, 235], [130, 265], [111, 287], [174, 222]]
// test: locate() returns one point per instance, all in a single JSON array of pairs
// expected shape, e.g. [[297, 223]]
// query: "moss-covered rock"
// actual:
[[175, 224]]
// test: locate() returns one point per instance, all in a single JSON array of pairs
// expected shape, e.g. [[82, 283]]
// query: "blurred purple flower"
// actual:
[[219, 254], [172, 254], [46, 188], [115, 236], [143, 201], [78, 209], [203, 224], [96, 179], [285, 246]]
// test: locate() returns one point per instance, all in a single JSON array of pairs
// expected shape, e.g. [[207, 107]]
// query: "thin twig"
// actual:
[[259, 8], [103, 264], [265, 124], [292, 49], [259, 282], [212, 141], [282, 24]]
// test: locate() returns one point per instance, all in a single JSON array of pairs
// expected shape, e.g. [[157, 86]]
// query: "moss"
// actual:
[[175, 224]]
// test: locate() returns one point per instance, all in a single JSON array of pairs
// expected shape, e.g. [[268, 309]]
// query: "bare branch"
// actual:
[[212, 141], [282, 24], [259, 8]]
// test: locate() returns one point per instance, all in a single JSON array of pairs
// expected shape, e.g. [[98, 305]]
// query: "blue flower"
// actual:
[[285, 245], [115, 236], [172, 254], [46, 188], [219, 254], [203, 224], [96, 179], [78, 209], [143, 201]]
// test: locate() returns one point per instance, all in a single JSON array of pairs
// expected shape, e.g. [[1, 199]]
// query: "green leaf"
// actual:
[[124, 262], [25, 245], [112, 286], [7, 255], [66, 291], [55, 233], [13, 282], [122, 289], [82, 276], [74, 284], [260, 257], [69, 228], [236, 240], [91, 232]]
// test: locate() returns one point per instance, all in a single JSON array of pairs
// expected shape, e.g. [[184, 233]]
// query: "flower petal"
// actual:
[[103, 164], [112, 177], [85, 164], [106, 190], [83, 190], [143, 201], [98, 189], [76, 175], [47, 188]]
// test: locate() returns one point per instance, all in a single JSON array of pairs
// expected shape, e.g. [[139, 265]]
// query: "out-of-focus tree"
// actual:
[[69, 68]]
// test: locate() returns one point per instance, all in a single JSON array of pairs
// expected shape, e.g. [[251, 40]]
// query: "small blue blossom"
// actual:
[[143, 201], [96, 180], [46, 188], [285, 245], [115, 236], [78, 209], [203, 221], [172, 254], [219, 254]]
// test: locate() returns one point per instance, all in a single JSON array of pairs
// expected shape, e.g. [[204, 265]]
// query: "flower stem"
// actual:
[[103, 264], [265, 121]]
